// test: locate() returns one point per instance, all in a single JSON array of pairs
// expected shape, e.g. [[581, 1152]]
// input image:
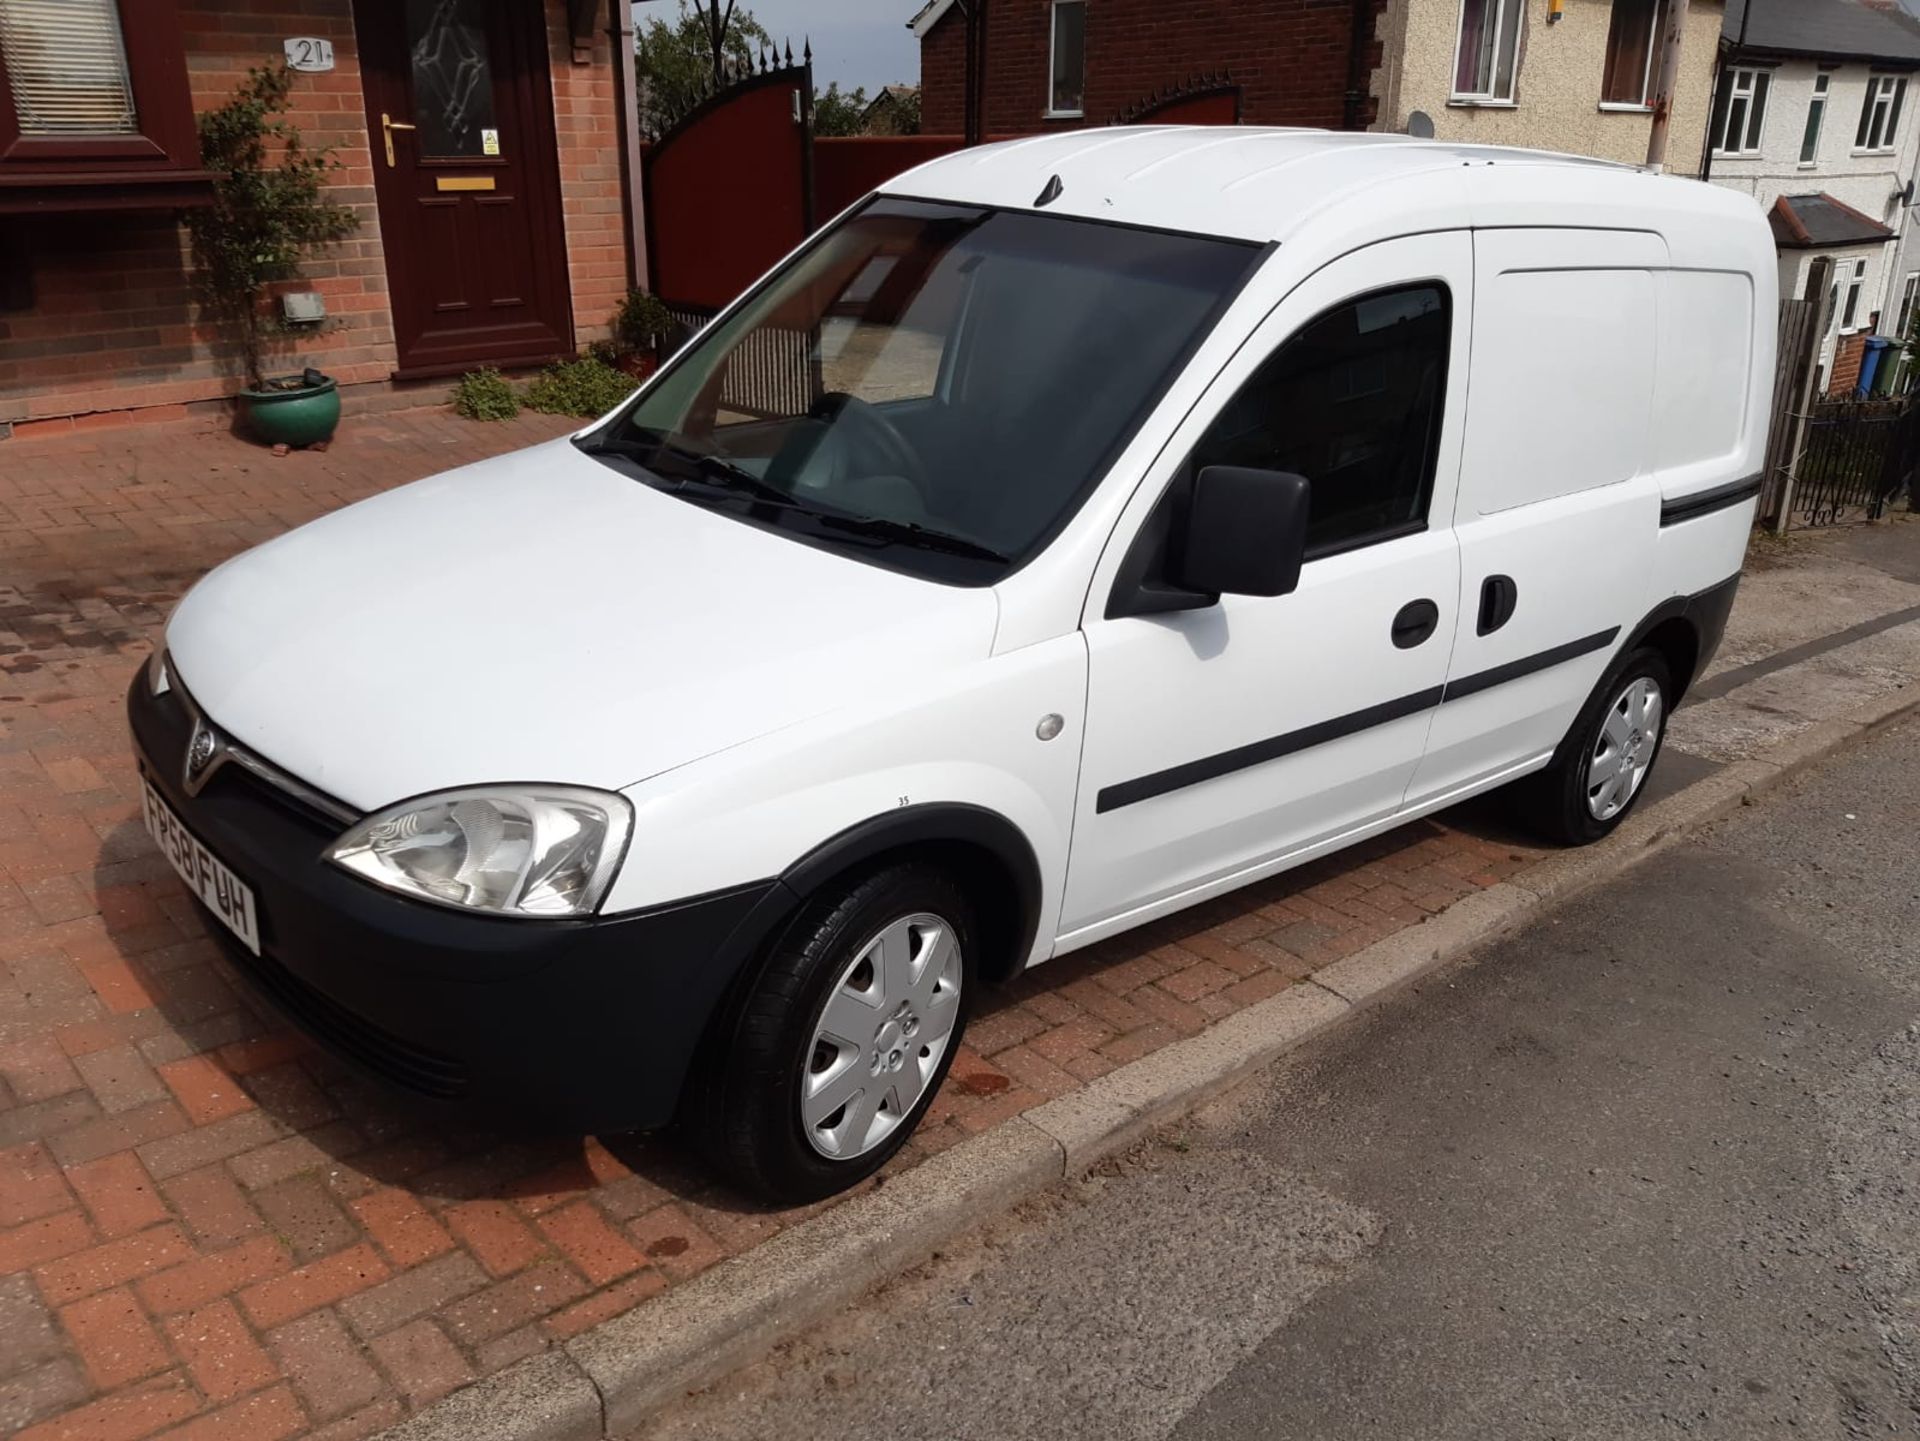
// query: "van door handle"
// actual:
[[1498, 596], [1417, 620]]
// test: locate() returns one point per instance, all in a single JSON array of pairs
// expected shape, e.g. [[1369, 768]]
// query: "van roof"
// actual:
[[1263, 184]]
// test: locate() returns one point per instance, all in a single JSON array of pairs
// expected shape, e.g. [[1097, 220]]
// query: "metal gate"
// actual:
[[729, 189], [1858, 457]]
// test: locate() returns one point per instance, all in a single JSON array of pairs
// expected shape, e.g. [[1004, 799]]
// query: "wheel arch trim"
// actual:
[[930, 824]]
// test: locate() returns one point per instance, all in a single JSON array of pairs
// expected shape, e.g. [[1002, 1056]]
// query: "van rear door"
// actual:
[[1558, 507]]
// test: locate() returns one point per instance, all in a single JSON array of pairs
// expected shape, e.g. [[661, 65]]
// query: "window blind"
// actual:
[[67, 67]]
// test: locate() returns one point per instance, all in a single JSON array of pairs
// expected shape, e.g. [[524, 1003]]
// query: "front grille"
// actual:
[[234, 780], [240, 773], [413, 1067]]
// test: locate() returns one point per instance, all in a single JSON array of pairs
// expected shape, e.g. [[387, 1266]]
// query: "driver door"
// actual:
[[1224, 743]]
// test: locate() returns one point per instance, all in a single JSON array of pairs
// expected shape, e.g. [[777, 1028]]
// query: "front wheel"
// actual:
[[1602, 766], [845, 1037]]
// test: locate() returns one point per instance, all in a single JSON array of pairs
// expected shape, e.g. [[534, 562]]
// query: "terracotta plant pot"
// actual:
[[638, 364]]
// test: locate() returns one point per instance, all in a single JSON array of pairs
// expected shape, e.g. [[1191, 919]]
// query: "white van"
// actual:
[[1080, 529]]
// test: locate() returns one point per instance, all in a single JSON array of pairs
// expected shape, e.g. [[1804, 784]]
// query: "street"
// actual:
[[1649, 1167]]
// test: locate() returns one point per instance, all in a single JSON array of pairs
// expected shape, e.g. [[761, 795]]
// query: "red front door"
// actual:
[[466, 170]]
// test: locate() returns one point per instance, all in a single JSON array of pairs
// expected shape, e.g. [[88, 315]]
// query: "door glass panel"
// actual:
[[452, 78], [1353, 403]]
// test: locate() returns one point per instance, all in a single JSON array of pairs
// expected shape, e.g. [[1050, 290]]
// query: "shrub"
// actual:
[[579, 387], [269, 209], [485, 395], [641, 322]]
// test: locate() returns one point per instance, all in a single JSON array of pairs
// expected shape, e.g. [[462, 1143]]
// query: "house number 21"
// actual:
[[308, 52]]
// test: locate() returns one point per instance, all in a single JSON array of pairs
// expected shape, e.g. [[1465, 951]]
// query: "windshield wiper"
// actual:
[[737, 477], [907, 532], [721, 477], [690, 465]]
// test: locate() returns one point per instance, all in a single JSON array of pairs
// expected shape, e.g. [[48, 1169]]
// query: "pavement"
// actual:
[[1648, 1167], [206, 1224]]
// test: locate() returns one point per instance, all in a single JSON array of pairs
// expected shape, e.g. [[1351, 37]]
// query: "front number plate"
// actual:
[[224, 893]]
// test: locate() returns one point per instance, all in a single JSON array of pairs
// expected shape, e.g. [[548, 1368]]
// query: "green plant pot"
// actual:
[[302, 415]]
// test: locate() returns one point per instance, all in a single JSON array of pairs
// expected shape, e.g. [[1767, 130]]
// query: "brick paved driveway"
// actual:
[[209, 1229]]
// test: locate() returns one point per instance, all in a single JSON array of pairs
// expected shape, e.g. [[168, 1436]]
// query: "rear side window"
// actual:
[[1352, 402]]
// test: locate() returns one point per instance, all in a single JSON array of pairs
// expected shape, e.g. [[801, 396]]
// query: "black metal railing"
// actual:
[[1858, 456]]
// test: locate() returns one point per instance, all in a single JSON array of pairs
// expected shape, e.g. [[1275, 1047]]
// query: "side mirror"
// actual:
[[1245, 532]]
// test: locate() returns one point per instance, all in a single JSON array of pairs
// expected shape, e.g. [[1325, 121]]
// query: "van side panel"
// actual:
[[1562, 382], [1702, 400], [1717, 350]]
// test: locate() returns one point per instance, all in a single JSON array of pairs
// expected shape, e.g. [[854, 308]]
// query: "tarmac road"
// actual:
[[1650, 1167]]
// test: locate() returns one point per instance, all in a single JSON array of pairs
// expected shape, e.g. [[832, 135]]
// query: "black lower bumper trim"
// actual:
[[585, 1026]]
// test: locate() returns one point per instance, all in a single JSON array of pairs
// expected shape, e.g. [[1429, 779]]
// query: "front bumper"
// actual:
[[589, 1025]]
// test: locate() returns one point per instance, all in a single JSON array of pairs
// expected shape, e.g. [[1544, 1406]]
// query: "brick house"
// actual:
[[1061, 64], [494, 227]]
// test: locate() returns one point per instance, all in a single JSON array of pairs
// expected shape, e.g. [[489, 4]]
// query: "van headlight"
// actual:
[[538, 852]]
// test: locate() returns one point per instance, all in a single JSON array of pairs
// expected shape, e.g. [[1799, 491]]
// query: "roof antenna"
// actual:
[[1052, 193]]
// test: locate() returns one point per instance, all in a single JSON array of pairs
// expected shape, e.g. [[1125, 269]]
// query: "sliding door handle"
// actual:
[[1498, 596], [1417, 620]]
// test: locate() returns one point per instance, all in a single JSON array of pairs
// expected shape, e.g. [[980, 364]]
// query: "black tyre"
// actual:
[[1600, 770], [844, 1037]]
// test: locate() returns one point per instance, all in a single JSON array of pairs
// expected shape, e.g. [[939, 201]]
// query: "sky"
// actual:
[[856, 42]]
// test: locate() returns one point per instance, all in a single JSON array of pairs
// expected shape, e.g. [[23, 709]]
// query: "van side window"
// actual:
[[1352, 402]]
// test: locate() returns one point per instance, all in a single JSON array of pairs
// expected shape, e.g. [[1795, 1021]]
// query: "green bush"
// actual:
[[579, 387], [485, 395], [641, 322], [271, 206]]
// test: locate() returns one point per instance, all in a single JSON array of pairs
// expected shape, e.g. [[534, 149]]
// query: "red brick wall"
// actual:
[[587, 123], [113, 326], [943, 71], [1846, 364], [1290, 57]]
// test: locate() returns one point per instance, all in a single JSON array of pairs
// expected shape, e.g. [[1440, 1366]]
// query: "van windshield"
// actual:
[[932, 387]]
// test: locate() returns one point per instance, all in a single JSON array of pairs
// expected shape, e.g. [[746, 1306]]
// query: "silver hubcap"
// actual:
[[1628, 738], [885, 1026]]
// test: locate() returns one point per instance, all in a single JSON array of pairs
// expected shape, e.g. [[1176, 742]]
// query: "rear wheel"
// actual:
[[1602, 766], [845, 1036]]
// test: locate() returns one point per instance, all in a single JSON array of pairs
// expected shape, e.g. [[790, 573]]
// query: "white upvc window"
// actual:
[[1907, 295], [1853, 279], [1487, 51], [1816, 117], [1739, 112], [1067, 59], [1880, 114]]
